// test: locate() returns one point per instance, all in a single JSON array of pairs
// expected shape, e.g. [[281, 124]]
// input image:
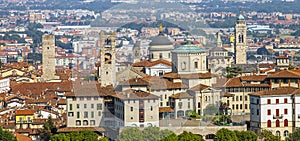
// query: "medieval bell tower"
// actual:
[[107, 67], [240, 40]]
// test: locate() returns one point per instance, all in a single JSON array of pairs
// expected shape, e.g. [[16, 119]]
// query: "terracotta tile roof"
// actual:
[[141, 64], [278, 91], [253, 78], [62, 102], [157, 83], [29, 131], [135, 94], [220, 82], [134, 82], [199, 87], [285, 74], [21, 137], [77, 129], [181, 95], [233, 82], [173, 75], [90, 88], [166, 109], [147, 63], [24, 112], [281, 57]]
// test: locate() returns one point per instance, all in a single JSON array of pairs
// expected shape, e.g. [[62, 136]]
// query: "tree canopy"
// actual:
[[77, 136], [48, 129], [295, 136], [6, 135], [268, 136], [246, 135], [225, 135]]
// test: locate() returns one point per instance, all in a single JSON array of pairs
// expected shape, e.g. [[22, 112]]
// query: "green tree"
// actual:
[[225, 135], [188, 136], [210, 109], [131, 134], [233, 72], [246, 135], [48, 129], [171, 137], [268, 136], [6, 135], [77, 136], [295, 136]]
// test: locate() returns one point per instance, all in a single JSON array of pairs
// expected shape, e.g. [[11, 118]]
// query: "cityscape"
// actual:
[[139, 70]]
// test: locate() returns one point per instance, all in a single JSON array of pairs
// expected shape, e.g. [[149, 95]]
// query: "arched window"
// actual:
[[277, 133], [286, 123], [269, 123], [286, 133], [277, 123]]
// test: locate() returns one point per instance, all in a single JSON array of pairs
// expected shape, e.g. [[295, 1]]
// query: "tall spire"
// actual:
[[219, 40]]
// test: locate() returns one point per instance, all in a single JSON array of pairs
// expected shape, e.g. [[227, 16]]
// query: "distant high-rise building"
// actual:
[[107, 67], [48, 47], [240, 45]]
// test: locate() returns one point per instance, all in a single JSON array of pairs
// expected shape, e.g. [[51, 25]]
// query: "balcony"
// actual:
[[278, 116]]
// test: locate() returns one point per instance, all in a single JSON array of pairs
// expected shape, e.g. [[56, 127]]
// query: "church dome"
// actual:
[[160, 40], [188, 48]]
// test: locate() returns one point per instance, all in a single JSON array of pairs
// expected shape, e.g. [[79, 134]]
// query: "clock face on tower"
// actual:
[[108, 58]]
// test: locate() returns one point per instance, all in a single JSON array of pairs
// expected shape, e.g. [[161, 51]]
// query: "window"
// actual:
[[285, 100], [78, 106], [199, 105], [241, 106], [70, 114], [277, 101], [160, 55], [277, 112], [285, 111], [233, 98], [269, 112], [71, 107], [131, 109], [257, 111], [92, 106], [241, 98], [246, 106], [237, 106], [189, 105], [78, 114], [196, 65], [92, 122], [99, 106], [92, 115], [180, 105], [269, 123], [85, 115], [269, 101], [246, 98], [84, 106], [286, 123], [277, 123], [85, 122], [232, 107], [99, 113], [78, 122], [277, 133], [286, 133], [151, 108], [257, 101], [237, 98]]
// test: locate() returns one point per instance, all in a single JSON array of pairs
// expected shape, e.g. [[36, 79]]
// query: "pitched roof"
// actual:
[[253, 78], [181, 95], [157, 83], [21, 137], [173, 75], [134, 82], [226, 94], [90, 88], [278, 91], [147, 63], [281, 57], [199, 87], [285, 74], [24, 112], [135, 94]]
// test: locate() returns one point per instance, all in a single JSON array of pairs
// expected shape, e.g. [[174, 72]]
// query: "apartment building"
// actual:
[[276, 110]]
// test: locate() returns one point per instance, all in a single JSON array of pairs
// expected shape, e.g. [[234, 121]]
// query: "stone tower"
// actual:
[[240, 45], [48, 47], [137, 52], [107, 58]]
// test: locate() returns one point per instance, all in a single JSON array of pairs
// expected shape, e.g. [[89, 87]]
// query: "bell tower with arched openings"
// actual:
[[240, 45], [107, 69]]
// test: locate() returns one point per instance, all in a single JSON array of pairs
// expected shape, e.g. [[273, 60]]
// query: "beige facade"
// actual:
[[107, 68], [240, 41], [48, 46]]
